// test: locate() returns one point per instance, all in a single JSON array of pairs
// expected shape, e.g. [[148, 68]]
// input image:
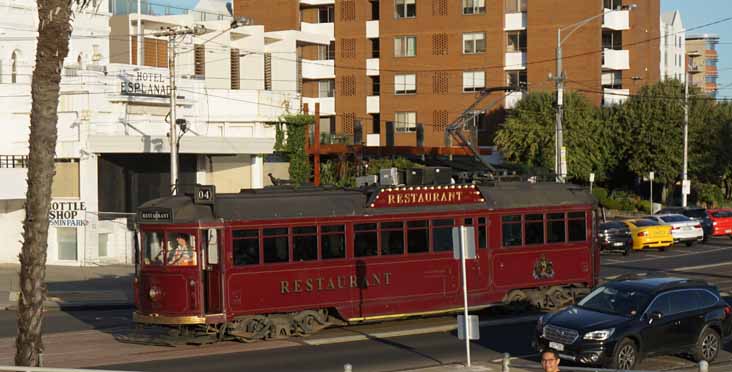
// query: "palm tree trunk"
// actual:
[[54, 31]]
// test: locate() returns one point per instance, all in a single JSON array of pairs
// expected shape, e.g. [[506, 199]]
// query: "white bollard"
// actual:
[[347, 368], [506, 366], [703, 366]]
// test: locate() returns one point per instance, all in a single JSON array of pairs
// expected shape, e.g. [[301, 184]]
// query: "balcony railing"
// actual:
[[13, 161], [333, 138]]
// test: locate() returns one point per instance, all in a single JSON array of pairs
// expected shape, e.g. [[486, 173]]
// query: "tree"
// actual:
[[54, 31], [652, 121], [528, 135]]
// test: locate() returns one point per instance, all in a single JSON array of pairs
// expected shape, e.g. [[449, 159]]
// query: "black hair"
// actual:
[[551, 351]]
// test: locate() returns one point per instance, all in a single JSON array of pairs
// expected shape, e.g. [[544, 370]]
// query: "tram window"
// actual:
[[366, 243], [333, 241], [181, 249], [246, 247], [482, 232], [556, 228], [153, 248], [511, 227], [392, 238], [534, 227], [442, 235], [418, 240], [276, 245], [304, 243], [576, 226]]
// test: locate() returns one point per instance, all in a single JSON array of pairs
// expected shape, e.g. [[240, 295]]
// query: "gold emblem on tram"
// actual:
[[334, 283]]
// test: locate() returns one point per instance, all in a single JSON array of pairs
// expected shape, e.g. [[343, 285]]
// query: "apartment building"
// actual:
[[702, 62], [420, 63], [673, 47]]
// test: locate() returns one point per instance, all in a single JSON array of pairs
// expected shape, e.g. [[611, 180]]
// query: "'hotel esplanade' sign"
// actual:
[[146, 84]]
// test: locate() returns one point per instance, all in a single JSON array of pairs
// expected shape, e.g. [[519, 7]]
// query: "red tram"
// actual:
[[275, 263]]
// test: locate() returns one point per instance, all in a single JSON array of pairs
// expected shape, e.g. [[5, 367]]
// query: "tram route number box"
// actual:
[[472, 323]]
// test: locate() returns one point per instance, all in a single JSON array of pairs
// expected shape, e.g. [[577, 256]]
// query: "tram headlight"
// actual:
[[154, 293]]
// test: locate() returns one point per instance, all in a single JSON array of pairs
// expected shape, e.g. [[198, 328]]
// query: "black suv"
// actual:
[[622, 321], [615, 236], [696, 214]]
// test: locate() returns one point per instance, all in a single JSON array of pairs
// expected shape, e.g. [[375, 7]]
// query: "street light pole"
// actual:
[[686, 143]]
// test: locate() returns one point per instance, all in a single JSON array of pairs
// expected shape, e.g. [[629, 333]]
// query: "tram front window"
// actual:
[[181, 249], [153, 248]]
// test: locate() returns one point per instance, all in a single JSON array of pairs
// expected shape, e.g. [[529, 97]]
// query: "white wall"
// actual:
[[673, 48]]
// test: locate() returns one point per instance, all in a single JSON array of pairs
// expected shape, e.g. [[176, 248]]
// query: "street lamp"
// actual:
[[559, 150]]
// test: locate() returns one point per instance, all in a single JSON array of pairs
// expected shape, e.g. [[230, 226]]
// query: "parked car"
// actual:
[[649, 234], [683, 229], [615, 236], [721, 221], [623, 321], [696, 214]]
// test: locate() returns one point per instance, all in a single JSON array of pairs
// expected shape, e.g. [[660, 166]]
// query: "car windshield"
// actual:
[[644, 223], [695, 213], [617, 301], [611, 225], [675, 218]]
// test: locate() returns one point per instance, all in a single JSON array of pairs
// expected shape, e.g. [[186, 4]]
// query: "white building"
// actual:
[[673, 47], [113, 147]]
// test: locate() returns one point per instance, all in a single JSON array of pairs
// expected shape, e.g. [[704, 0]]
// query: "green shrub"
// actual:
[[708, 195]]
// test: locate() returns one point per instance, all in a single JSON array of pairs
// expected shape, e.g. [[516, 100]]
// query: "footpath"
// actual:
[[74, 287]]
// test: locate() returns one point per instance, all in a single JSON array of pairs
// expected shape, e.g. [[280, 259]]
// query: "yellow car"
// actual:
[[649, 234]]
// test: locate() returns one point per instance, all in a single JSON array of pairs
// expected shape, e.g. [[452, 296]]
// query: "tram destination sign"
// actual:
[[149, 215], [413, 196]]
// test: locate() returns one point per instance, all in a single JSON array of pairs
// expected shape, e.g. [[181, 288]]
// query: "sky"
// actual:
[[695, 13]]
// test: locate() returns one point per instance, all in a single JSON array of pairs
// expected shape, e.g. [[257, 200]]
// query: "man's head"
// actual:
[[550, 360], [182, 240]]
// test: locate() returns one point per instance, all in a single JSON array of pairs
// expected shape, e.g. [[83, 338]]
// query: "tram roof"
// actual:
[[275, 203]]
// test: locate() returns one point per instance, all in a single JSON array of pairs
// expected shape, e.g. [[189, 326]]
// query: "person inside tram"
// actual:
[[181, 252]]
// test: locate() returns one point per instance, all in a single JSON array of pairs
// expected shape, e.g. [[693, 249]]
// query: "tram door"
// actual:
[[212, 271]]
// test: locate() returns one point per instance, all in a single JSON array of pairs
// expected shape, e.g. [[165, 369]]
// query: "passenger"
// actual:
[[183, 254], [550, 360]]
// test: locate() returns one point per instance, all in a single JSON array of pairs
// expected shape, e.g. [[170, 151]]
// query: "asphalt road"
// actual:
[[712, 262]]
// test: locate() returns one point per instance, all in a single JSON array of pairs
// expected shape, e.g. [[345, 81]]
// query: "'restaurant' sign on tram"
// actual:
[[427, 195]]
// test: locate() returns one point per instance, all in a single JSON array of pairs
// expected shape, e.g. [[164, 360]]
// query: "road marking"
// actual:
[[689, 268], [525, 356], [675, 256], [414, 332]]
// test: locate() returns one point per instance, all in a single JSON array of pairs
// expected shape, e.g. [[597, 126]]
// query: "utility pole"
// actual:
[[559, 135], [172, 34], [140, 44], [686, 142]]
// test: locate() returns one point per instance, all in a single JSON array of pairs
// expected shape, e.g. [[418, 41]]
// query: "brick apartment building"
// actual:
[[422, 61], [702, 62]]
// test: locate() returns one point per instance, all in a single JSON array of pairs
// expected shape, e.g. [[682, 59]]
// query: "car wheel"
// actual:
[[662, 249], [625, 356], [626, 250], [689, 244], [707, 346]]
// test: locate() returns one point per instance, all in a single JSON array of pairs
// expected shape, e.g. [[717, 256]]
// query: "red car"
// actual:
[[722, 221]]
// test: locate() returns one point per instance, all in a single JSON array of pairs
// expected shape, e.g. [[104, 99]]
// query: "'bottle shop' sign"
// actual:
[[67, 214]]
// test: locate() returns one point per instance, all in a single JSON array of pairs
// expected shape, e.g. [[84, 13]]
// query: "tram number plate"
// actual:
[[556, 346]]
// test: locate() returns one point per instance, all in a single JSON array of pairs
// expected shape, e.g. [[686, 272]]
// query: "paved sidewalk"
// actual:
[[74, 287]]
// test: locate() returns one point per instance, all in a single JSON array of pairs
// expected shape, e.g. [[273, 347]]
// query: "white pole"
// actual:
[[686, 141], [140, 53], [559, 140], [173, 129], [465, 302]]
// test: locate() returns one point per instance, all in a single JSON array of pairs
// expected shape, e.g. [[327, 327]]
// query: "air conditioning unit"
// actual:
[[389, 177], [414, 177], [367, 180], [437, 175]]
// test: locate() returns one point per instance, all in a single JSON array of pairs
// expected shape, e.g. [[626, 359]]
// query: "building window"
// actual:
[[405, 121], [14, 68], [612, 80], [515, 6], [612, 40], [613, 4], [517, 80], [473, 42], [326, 88], [348, 48], [326, 14], [67, 244], [66, 179], [405, 8], [199, 53], [375, 46], [235, 69], [516, 41], [405, 84], [473, 81], [326, 52], [405, 46], [473, 7], [439, 45]]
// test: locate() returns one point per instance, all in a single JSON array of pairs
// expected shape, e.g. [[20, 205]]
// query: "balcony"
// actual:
[[372, 29], [14, 183], [317, 2], [372, 104], [318, 28], [612, 97], [327, 105], [513, 99], [515, 61], [515, 21], [615, 59], [372, 67], [318, 69], [373, 140], [616, 20]]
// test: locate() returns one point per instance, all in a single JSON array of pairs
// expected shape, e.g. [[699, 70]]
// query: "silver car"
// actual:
[[683, 228]]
